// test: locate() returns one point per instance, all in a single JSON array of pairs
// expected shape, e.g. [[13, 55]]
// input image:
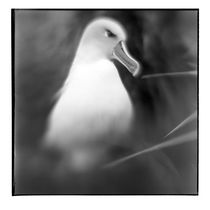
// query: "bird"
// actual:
[[93, 108], [156, 107]]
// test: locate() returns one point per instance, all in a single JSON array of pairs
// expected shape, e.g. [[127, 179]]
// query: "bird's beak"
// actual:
[[121, 54]]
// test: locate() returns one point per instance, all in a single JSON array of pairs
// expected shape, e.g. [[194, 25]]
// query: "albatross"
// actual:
[[93, 107]]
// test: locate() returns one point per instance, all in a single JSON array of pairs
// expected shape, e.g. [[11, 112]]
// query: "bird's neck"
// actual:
[[89, 52]]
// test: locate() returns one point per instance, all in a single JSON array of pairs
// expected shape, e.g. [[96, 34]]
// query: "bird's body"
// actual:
[[94, 108], [91, 106]]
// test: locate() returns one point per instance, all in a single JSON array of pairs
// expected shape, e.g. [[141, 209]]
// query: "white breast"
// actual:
[[93, 103]]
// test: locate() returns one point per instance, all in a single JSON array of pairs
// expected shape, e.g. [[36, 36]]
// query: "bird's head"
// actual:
[[105, 38]]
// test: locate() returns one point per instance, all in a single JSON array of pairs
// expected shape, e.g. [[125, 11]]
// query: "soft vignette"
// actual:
[[103, 202]]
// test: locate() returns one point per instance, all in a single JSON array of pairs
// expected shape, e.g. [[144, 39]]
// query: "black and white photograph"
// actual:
[[105, 101]]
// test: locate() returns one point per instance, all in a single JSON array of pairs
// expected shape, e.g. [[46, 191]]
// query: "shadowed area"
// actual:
[[162, 42]]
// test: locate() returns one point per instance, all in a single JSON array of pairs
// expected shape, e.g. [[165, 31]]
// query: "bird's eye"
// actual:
[[108, 33]]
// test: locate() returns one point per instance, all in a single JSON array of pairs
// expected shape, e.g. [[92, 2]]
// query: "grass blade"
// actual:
[[184, 122], [191, 136], [172, 74]]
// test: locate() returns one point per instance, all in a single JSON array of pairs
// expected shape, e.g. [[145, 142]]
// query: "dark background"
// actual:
[[163, 41]]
